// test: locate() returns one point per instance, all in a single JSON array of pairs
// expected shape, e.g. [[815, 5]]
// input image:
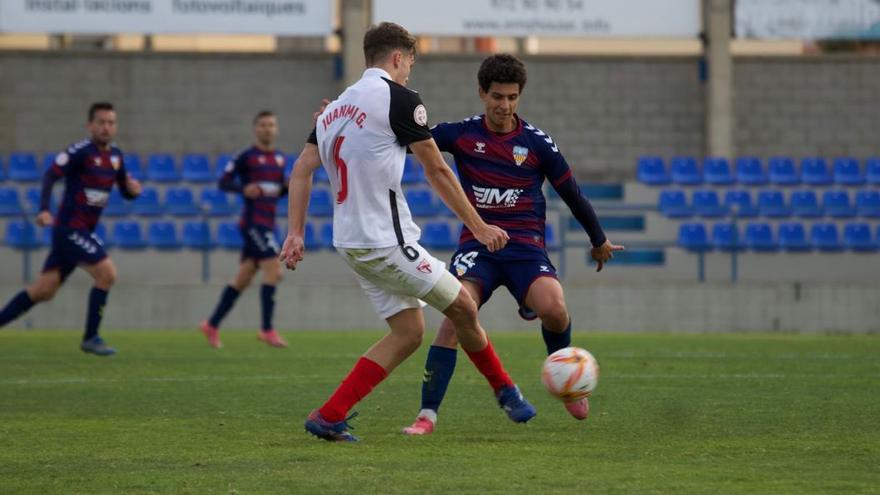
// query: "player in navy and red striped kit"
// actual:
[[89, 169], [257, 173], [503, 162]]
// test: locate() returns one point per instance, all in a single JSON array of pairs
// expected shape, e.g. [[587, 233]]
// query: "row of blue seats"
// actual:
[[770, 203], [781, 171], [789, 237], [162, 168], [22, 234]]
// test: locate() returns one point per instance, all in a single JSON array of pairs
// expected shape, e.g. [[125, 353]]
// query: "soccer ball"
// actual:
[[570, 374]]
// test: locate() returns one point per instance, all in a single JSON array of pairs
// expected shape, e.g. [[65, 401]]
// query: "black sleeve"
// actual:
[[313, 136], [581, 209], [407, 115]]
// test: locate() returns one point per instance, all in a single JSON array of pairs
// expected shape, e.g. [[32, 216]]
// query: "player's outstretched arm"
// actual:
[[300, 188], [443, 181]]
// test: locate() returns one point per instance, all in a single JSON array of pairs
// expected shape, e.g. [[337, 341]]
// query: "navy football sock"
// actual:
[[556, 340], [227, 300], [438, 373], [17, 306], [97, 300], [267, 304]]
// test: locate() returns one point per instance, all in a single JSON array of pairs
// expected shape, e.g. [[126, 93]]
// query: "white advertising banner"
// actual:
[[562, 18], [808, 19], [280, 17]]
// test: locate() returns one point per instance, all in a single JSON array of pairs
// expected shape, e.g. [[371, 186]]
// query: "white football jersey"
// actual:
[[362, 138]]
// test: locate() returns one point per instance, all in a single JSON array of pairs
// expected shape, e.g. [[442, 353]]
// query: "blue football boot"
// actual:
[[517, 408], [332, 432], [97, 346]]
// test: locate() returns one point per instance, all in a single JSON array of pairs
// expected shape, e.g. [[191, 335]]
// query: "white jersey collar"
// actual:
[[376, 72]]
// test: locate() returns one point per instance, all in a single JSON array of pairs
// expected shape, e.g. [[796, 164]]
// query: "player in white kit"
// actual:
[[362, 138]]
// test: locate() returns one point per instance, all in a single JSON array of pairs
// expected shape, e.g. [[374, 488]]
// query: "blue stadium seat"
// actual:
[[197, 168], [180, 202], [320, 203], [725, 236], [412, 172], [814, 172], [550, 240], [868, 203], [672, 203], [759, 237], [32, 201], [693, 237], [133, 166], [717, 172], [847, 172], [872, 170], [216, 203], [229, 236], [117, 206], [857, 237], [739, 203], [161, 168], [320, 176], [750, 172], [438, 235], [650, 170], [48, 161], [163, 235], [706, 204], [23, 167], [825, 237], [221, 163], [771, 203], [9, 203], [793, 237], [3, 174], [128, 235], [197, 235], [837, 204], [310, 237], [782, 171], [281, 206], [21, 234], [147, 204], [805, 204], [327, 235], [421, 202], [685, 171]]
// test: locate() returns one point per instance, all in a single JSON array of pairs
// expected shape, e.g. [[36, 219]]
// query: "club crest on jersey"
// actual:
[[424, 266], [520, 153], [115, 163], [279, 159]]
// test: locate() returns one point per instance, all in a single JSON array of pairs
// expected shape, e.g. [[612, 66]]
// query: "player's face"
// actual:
[[405, 65], [103, 126], [265, 130], [501, 101]]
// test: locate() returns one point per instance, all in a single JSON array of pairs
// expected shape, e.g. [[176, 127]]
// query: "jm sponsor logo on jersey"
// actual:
[[491, 197], [96, 197], [520, 153], [271, 189]]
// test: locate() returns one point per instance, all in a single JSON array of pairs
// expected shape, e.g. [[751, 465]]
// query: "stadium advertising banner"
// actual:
[[562, 18], [808, 19], [280, 17]]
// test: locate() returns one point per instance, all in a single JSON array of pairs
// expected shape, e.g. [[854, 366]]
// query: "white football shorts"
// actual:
[[402, 277]]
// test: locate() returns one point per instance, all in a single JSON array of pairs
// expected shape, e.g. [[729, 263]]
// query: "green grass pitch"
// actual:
[[672, 414]]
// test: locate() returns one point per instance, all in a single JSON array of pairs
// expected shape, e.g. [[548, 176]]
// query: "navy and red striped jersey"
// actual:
[[89, 173], [264, 168], [502, 174]]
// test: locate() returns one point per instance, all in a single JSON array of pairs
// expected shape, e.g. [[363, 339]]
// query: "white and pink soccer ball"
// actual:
[[570, 374]]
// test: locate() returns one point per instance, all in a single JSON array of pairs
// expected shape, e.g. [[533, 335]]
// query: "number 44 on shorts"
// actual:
[[463, 261]]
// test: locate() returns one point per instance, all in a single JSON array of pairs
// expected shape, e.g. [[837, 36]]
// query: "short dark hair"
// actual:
[[381, 40], [99, 107], [501, 68], [263, 113]]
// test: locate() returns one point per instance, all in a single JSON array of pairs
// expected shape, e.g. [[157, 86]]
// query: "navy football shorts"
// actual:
[[514, 267], [259, 243], [72, 247]]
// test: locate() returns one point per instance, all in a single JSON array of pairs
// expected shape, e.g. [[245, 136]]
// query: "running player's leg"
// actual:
[[210, 327], [104, 274], [41, 290], [271, 269]]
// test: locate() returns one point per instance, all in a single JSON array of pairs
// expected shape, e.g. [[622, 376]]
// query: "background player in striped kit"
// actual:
[[89, 168], [257, 173]]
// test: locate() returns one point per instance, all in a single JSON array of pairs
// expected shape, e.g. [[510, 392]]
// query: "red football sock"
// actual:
[[365, 375], [490, 366]]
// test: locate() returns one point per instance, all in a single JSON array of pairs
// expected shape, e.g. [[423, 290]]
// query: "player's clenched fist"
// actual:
[[44, 219], [493, 237], [292, 251]]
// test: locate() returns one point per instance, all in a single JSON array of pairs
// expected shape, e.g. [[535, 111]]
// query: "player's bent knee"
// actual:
[[462, 311], [554, 317]]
